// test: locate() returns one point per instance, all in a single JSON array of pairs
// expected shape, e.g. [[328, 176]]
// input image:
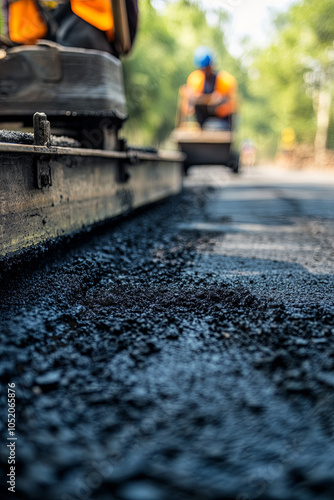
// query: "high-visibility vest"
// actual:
[[26, 24], [226, 85]]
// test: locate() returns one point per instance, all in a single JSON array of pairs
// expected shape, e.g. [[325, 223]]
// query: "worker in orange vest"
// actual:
[[87, 24], [211, 96]]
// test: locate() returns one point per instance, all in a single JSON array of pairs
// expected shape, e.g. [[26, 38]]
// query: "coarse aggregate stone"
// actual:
[[185, 353]]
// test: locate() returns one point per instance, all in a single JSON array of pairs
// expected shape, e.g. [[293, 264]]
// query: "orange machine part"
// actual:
[[25, 23], [95, 12]]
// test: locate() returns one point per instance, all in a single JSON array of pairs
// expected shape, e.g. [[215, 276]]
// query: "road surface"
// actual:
[[186, 353]]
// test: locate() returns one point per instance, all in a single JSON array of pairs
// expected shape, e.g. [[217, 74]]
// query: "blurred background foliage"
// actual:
[[280, 85], [288, 83]]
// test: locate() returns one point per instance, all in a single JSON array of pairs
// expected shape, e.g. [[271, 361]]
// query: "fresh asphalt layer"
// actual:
[[185, 353]]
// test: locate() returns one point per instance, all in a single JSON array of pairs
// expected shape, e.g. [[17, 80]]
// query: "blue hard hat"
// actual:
[[203, 57]]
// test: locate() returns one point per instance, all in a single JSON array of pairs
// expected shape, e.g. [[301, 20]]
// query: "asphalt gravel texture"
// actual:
[[184, 353]]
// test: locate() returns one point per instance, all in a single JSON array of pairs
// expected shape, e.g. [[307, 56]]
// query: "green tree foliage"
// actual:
[[288, 75]]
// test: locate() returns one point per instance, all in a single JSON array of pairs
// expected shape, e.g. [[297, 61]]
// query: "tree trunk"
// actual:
[[323, 114]]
